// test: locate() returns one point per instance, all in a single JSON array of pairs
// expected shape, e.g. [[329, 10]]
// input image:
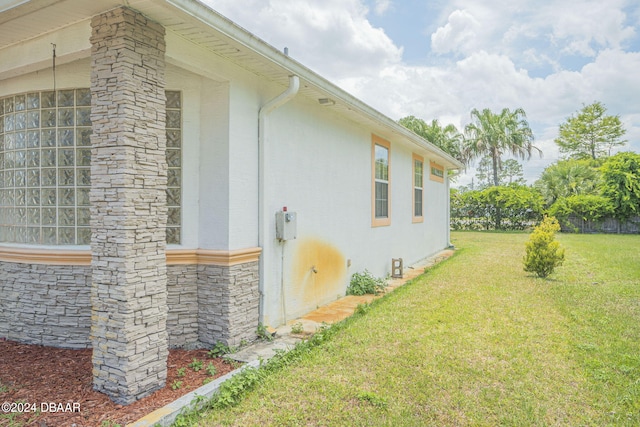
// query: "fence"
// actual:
[[577, 224]]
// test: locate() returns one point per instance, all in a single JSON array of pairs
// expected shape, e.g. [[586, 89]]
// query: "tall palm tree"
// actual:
[[494, 135]]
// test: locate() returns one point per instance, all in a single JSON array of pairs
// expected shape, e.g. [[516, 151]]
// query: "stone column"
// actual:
[[128, 206]]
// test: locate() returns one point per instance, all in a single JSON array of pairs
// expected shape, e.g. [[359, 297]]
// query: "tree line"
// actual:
[[588, 182]]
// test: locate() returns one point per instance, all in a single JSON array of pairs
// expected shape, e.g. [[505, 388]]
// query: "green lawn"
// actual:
[[476, 341]]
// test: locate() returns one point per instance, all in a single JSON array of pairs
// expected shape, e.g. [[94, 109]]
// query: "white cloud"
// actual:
[[535, 33], [458, 35], [382, 6], [581, 28]]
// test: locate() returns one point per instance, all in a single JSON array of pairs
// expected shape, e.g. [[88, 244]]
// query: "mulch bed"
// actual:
[[43, 376]]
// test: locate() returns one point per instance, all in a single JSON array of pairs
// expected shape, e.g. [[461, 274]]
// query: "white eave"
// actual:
[[22, 20]]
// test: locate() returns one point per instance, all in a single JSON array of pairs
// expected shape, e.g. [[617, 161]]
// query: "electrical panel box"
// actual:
[[286, 225]]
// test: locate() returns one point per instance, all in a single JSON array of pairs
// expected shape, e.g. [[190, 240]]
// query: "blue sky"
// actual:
[[438, 59]]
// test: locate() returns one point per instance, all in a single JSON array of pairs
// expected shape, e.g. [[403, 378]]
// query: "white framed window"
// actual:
[[381, 181]]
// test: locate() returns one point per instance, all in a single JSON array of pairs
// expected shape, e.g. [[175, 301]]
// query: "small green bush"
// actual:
[[543, 253], [365, 283], [263, 333]]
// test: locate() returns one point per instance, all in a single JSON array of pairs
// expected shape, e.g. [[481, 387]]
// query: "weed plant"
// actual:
[[365, 283]]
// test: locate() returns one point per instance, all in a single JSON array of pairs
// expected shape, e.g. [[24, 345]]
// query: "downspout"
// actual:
[[448, 195], [278, 101]]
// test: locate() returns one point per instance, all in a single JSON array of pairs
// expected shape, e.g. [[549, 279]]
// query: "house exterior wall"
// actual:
[[182, 297], [320, 166], [244, 105], [227, 303]]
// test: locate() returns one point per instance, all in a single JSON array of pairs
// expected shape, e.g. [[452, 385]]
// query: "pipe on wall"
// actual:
[[265, 110]]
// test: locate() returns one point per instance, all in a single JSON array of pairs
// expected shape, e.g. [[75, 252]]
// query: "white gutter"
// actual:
[[283, 98]]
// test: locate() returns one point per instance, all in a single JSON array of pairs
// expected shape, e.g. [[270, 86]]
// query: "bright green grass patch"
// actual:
[[476, 341]]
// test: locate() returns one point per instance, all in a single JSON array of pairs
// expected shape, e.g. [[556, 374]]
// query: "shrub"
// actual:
[[512, 207], [621, 184], [365, 283], [589, 207], [543, 253]]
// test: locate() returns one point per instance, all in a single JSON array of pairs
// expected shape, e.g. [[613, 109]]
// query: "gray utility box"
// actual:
[[286, 225]]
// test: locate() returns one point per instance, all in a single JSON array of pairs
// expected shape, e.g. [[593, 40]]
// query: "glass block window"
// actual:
[[45, 159], [45, 167], [174, 163]]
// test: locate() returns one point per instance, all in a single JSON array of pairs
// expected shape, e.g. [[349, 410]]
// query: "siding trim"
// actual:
[[174, 256]]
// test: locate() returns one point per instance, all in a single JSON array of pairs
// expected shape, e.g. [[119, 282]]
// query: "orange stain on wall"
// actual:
[[319, 270]]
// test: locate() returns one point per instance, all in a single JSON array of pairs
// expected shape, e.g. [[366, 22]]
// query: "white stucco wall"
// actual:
[[226, 105], [319, 166]]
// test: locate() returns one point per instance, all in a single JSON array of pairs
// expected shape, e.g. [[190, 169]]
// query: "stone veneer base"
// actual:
[[50, 304]]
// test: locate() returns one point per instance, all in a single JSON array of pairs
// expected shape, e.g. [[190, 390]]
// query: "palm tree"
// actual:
[[448, 138], [568, 178], [494, 135]]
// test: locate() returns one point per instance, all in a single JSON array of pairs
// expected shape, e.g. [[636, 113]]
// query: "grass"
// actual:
[[476, 341]]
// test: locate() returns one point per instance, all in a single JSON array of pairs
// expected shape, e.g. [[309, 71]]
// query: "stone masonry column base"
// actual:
[[228, 303]]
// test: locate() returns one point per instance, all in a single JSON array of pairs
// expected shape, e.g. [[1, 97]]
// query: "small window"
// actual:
[[418, 187], [437, 172], [381, 180]]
